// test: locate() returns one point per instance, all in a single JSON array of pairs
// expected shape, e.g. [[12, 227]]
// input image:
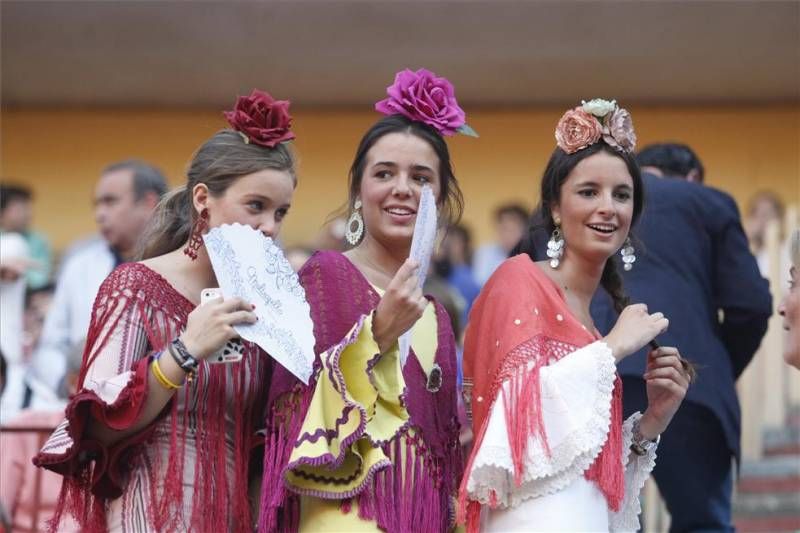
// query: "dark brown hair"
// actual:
[[558, 169], [451, 200]]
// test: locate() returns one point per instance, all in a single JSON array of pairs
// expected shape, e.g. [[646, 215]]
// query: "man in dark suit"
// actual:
[[694, 265]]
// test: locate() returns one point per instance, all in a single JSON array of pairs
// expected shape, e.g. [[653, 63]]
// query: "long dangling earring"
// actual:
[[196, 238], [627, 253], [555, 246], [355, 225]]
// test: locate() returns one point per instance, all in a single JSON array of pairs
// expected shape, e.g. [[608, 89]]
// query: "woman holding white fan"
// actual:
[[156, 438], [372, 443]]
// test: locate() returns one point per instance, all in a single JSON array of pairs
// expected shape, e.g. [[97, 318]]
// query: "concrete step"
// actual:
[[785, 504], [767, 497], [781, 441], [771, 524], [769, 485], [775, 466], [793, 417]]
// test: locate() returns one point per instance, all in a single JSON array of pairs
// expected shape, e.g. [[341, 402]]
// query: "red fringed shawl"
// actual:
[[136, 313], [407, 496], [521, 317]]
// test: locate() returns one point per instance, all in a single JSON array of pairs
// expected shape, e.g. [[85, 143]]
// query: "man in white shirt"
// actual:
[[125, 197], [13, 256]]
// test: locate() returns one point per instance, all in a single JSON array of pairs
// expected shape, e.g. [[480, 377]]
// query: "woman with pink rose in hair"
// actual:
[[551, 451], [370, 444], [156, 439]]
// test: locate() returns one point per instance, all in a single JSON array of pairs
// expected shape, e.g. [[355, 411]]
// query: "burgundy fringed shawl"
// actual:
[[519, 323], [407, 496], [136, 313]]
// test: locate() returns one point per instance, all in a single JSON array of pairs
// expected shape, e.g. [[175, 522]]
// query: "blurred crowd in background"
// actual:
[[47, 298]]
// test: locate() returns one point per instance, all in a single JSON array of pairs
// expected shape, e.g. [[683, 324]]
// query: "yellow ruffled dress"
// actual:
[[357, 406]]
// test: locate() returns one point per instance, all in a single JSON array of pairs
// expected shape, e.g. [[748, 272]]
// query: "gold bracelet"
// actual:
[[160, 377]]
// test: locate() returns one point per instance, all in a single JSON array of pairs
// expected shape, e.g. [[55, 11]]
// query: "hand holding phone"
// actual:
[[233, 350]]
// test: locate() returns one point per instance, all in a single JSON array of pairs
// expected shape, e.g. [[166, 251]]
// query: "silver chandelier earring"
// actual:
[[355, 225], [627, 253], [555, 247]]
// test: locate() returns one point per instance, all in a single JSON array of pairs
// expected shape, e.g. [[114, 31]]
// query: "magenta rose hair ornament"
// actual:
[[591, 121], [260, 119], [425, 97]]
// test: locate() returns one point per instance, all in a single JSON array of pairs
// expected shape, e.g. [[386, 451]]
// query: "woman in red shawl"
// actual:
[[551, 450], [156, 439]]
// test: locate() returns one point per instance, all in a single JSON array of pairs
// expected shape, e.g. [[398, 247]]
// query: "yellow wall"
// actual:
[[59, 153]]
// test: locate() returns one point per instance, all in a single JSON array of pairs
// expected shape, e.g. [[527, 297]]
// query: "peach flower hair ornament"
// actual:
[[591, 121], [425, 97]]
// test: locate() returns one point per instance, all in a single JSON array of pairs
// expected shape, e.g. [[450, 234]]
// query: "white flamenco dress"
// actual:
[[554, 495]]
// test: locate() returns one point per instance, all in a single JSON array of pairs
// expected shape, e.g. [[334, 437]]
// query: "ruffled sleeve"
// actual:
[[637, 470], [329, 439], [574, 407], [334, 456], [112, 388]]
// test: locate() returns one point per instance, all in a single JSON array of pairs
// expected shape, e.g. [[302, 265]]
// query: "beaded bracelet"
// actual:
[[161, 377]]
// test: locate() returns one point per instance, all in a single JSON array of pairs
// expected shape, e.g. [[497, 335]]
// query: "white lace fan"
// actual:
[[251, 266], [421, 250]]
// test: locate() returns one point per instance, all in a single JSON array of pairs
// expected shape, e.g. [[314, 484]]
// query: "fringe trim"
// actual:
[[523, 417], [467, 510], [415, 493], [523, 414], [607, 470], [280, 508], [134, 291]]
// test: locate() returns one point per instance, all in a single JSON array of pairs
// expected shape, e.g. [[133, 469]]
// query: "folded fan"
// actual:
[[422, 244], [251, 266]]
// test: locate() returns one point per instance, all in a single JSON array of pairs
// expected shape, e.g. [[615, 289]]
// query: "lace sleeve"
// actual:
[[575, 409], [637, 470]]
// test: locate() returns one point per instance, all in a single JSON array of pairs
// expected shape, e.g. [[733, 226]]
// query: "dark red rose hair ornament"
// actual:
[[261, 119]]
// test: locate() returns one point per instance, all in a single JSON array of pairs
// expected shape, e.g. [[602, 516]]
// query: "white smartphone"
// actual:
[[233, 351]]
